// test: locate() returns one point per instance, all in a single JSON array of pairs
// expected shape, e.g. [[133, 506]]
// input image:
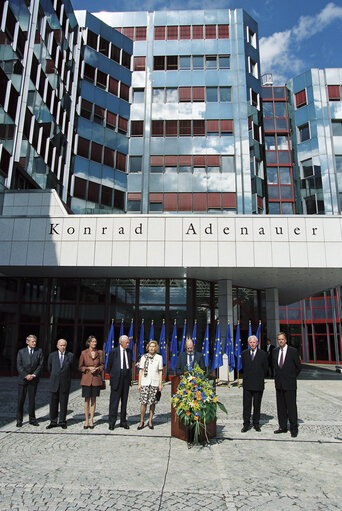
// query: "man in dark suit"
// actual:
[[286, 366], [60, 368], [186, 360], [29, 365], [254, 366], [269, 348], [119, 367]]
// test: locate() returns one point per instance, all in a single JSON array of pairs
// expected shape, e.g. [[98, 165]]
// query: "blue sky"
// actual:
[[294, 35]]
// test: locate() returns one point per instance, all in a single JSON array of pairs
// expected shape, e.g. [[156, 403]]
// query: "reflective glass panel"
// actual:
[[138, 96], [224, 62], [211, 94], [338, 160], [197, 62], [337, 128], [184, 62], [268, 109], [273, 208], [272, 175], [158, 96], [285, 175], [273, 192], [225, 94], [172, 95], [282, 142], [279, 109], [135, 163], [286, 192], [270, 142], [287, 208]]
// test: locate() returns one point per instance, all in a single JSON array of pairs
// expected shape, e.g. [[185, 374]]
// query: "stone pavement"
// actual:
[[147, 470]]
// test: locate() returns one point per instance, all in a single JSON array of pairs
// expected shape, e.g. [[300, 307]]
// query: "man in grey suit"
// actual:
[[188, 359], [59, 365], [29, 365]]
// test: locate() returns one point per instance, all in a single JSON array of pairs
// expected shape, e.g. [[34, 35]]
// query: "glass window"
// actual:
[[286, 192], [159, 63], [273, 192], [270, 142], [227, 164], [279, 109], [283, 156], [135, 163], [337, 128], [271, 157], [197, 62], [185, 168], [338, 160], [281, 124], [304, 132], [311, 206], [138, 95], [211, 62], [225, 94], [211, 94], [269, 124], [285, 175], [272, 175], [156, 206], [287, 208], [268, 109], [273, 208], [307, 168], [158, 96], [171, 62], [267, 92], [279, 92], [224, 61], [171, 95], [184, 62], [282, 142], [156, 170], [133, 205]]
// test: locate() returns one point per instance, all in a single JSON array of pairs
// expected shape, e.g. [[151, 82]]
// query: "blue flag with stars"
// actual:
[[182, 346], [238, 348], [131, 343], [229, 348], [249, 332], [217, 358], [173, 348], [205, 347], [109, 343], [141, 348], [162, 343], [151, 336], [258, 332], [121, 329], [194, 334]]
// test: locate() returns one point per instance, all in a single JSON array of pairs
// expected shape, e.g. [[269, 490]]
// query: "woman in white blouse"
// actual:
[[150, 381]]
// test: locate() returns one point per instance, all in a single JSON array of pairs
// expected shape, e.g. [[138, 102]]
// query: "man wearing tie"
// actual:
[[254, 366], [187, 359], [60, 368], [119, 368], [286, 366], [29, 365]]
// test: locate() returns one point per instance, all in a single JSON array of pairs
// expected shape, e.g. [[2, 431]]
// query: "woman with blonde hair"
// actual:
[[150, 381], [91, 366]]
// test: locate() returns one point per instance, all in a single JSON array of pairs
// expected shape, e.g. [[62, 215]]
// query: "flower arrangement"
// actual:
[[195, 401]]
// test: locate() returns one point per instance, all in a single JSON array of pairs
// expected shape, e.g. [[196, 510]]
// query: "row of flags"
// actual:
[[231, 349]]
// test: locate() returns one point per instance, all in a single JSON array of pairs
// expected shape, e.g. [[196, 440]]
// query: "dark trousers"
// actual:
[[287, 409], [121, 393], [270, 369], [60, 398], [29, 388], [249, 397]]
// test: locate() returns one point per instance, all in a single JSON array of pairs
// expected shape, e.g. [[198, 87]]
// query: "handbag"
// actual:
[[103, 386], [158, 396]]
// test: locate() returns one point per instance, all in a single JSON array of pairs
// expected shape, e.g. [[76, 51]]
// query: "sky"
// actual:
[[294, 35]]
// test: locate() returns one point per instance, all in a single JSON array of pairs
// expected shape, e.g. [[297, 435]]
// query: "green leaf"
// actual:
[[222, 407]]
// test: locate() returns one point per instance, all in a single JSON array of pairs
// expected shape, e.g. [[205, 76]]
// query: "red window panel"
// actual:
[[115, 53], [200, 202], [140, 33], [185, 160], [100, 112], [89, 72], [198, 93], [334, 92], [214, 200], [197, 31], [171, 128], [121, 161], [157, 161], [37, 37], [129, 32], [170, 202], [124, 91], [199, 160], [250, 122], [93, 191], [229, 200], [185, 202], [80, 187], [159, 33], [83, 147], [185, 32], [184, 93], [96, 152], [118, 29], [126, 60], [260, 203], [91, 39], [134, 196], [213, 126], [123, 123], [199, 128], [49, 66], [157, 128], [300, 98], [111, 120], [227, 125], [139, 63], [210, 31], [185, 128], [213, 160], [108, 157], [101, 80], [137, 128], [172, 33], [223, 31], [171, 160], [156, 197], [113, 86]]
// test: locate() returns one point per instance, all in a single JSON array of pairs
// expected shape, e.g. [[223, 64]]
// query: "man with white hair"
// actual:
[[119, 368], [255, 367]]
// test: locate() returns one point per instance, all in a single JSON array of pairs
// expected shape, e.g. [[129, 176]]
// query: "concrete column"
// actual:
[[225, 304], [272, 313]]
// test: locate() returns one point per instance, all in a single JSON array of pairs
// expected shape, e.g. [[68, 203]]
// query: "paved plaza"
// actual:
[[76, 469]]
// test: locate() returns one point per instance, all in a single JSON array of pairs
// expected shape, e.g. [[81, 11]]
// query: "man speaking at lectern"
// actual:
[[186, 360]]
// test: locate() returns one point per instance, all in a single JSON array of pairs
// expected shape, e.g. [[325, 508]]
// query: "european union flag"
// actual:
[[194, 334], [162, 343], [121, 329], [258, 332], [238, 348], [205, 347], [109, 343], [131, 343], [249, 331], [173, 348], [141, 348], [217, 360], [151, 336], [182, 346], [229, 348]]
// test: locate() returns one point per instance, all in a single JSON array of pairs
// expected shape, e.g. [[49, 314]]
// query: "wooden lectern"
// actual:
[[180, 430]]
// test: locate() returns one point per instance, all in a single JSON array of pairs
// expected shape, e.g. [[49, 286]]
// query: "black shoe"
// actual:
[[85, 427], [257, 428], [245, 429], [111, 426], [63, 425], [277, 431], [51, 425], [92, 427], [19, 424], [294, 434], [150, 426], [140, 427], [34, 423], [124, 425]]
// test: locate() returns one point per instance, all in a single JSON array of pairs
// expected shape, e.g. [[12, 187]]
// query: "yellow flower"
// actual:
[[215, 399]]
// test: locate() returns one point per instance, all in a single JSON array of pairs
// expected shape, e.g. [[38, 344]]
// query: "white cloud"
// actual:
[[308, 26]]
